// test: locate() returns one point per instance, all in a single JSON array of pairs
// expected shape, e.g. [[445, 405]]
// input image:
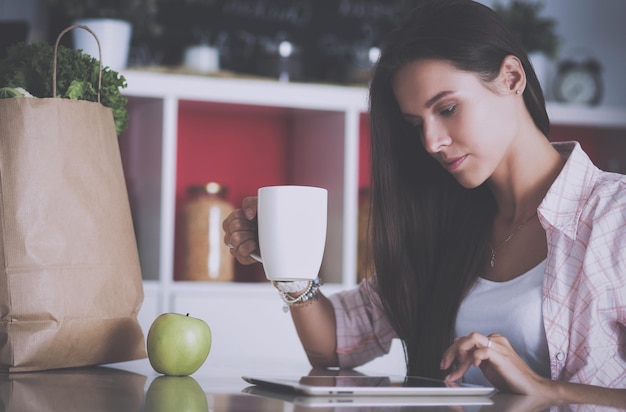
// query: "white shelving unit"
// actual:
[[325, 126], [600, 117]]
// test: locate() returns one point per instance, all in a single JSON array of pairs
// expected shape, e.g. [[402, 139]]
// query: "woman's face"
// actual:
[[463, 123]]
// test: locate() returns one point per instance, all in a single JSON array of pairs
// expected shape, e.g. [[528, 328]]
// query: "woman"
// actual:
[[499, 257]]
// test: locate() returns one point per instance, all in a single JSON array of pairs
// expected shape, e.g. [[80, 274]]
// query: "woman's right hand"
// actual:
[[241, 231]]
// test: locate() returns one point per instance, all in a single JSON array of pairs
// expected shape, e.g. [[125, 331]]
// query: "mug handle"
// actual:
[[256, 257]]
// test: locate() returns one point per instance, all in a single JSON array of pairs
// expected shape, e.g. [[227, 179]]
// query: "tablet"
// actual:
[[367, 386], [359, 401]]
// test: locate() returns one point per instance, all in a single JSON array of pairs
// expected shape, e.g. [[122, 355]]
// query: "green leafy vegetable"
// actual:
[[29, 66], [78, 89]]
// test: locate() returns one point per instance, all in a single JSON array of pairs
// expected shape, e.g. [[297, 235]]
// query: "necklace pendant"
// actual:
[[492, 261]]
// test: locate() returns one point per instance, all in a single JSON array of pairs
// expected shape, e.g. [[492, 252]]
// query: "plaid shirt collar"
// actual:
[[562, 206]]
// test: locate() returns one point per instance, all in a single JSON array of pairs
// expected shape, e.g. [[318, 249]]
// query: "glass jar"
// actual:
[[206, 257]]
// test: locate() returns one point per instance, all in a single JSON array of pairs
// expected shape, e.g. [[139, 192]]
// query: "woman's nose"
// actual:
[[434, 137]]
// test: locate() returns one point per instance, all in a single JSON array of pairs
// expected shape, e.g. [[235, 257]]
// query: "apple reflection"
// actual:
[[175, 393]]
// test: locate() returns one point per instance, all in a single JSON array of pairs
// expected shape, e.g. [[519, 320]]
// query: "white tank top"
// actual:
[[512, 309]]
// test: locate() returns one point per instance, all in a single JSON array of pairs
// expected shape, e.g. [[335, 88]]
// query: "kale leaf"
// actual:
[[29, 66]]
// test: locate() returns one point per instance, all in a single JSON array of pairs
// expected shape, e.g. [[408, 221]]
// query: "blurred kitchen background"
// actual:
[[327, 40]]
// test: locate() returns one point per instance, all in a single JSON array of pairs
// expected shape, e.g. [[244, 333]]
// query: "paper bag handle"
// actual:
[[56, 46]]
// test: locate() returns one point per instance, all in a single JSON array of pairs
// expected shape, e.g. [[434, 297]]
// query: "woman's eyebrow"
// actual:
[[436, 97]]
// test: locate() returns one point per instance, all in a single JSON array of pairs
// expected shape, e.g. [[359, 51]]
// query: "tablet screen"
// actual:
[[374, 381]]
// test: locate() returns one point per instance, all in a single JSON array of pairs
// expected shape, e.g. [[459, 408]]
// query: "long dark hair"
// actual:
[[430, 234]]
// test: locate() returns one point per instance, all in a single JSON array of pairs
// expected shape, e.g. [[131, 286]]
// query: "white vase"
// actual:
[[114, 36]]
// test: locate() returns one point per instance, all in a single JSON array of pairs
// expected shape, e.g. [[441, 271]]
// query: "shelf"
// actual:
[[236, 290], [185, 128], [260, 92], [267, 92], [573, 115]]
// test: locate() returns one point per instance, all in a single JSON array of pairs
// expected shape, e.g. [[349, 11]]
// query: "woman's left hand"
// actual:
[[500, 364]]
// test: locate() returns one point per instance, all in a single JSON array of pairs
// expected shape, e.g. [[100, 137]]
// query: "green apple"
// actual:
[[175, 393], [177, 344]]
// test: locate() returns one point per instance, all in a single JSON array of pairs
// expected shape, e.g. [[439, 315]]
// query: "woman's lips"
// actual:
[[453, 163]]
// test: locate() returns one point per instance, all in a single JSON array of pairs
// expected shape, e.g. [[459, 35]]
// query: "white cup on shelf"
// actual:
[[202, 59]]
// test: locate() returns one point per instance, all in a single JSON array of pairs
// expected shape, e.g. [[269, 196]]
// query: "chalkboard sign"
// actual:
[[328, 36]]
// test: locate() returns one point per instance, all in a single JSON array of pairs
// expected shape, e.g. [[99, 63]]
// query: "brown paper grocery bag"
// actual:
[[70, 280]]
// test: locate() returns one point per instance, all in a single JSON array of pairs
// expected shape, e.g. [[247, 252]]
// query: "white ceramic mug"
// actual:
[[292, 231]]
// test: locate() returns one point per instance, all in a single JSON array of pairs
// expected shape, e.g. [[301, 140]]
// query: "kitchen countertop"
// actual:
[[135, 386]]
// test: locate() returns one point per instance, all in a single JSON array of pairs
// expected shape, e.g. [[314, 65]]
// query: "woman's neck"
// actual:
[[524, 177]]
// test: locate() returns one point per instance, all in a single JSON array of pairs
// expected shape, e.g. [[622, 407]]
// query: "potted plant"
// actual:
[[113, 21], [536, 33]]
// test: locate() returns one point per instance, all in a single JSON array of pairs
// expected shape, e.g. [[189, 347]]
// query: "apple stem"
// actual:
[[188, 314]]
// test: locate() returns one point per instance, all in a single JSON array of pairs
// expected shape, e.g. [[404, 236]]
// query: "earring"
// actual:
[[518, 91]]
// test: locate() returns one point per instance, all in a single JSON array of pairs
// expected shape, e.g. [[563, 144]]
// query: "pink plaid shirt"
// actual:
[[584, 297]]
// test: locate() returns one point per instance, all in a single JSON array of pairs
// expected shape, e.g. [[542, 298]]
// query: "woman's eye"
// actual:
[[448, 111], [414, 123]]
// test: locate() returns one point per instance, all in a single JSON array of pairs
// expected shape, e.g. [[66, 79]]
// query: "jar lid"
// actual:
[[212, 188]]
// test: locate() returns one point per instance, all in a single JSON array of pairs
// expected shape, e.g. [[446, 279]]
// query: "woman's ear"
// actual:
[[512, 76]]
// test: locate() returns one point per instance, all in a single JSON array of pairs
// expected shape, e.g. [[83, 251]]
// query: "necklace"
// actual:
[[492, 261]]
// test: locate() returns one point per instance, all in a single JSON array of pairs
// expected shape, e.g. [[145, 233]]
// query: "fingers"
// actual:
[[498, 361], [240, 231], [249, 206], [469, 350], [461, 347]]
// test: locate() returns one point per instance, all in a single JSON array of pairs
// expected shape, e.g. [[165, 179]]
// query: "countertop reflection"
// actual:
[[134, 386]]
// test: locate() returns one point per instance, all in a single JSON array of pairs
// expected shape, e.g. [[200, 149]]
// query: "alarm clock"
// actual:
[[578, 82]]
